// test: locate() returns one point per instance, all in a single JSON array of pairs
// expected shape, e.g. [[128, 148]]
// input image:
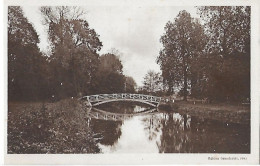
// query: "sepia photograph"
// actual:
[[139, 79]]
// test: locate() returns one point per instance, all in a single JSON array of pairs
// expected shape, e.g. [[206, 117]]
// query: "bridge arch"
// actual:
[[94, 100]]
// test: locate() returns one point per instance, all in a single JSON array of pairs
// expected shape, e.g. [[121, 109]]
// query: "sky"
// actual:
[[134, 31]]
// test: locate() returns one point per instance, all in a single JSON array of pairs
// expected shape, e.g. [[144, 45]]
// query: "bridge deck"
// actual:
[[104, 98]]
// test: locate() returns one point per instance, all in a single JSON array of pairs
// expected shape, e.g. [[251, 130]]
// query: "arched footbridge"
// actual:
[[95, 100]]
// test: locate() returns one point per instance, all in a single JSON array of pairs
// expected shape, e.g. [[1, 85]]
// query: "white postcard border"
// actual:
[[138, 158]]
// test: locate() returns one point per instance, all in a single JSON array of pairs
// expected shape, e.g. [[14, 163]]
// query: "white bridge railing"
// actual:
[[104, 98]]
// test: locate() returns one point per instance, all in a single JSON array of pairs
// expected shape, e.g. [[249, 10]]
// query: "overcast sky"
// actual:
[[134, 31]]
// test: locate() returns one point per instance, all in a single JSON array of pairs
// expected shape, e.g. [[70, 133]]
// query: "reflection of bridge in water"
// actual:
[[96, 113], [95, 100]]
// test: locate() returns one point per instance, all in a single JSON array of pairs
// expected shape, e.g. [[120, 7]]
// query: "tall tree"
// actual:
[[228, 50], [183, 42], [74, 47], [26, 79]]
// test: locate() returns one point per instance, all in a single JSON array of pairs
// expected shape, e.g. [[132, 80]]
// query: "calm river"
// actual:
[[137, 129]]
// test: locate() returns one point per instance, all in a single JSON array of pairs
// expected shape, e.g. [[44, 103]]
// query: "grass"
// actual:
[[225, 112], [49, 128]]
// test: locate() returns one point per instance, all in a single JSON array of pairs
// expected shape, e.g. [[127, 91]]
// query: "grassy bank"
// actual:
[[49, 128], [62, 127], [223, 112]]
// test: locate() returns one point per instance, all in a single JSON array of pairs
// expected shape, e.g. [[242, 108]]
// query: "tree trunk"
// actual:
[[185, 84], [185, 74]]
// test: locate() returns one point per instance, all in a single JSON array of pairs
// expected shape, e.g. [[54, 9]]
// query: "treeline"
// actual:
[[73, 66], [209, 60]]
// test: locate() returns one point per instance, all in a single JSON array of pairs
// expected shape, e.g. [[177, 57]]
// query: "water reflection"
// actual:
[[151, 131]]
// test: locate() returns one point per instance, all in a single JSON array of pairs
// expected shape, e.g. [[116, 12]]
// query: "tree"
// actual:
[[130, 84], [26, 65], [110, 63], [228, 28], [183, 42], [228, 50], [74, 48], [152, 82], [109, 77]]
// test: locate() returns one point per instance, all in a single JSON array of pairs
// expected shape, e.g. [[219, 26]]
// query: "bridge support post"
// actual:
[[87, 103], [158, 104]]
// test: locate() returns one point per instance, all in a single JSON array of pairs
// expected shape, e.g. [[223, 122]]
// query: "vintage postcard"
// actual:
[[131, 82]]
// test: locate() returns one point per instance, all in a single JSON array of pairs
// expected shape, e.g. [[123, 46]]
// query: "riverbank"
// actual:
[[35, 127], [222, 112], [61, 127]]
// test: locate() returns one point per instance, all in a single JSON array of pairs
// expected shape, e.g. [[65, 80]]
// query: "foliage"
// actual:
[[130, 85], [152, 82], [110, 63], [74, 48], [228, 52], [204, 61], [26, 65], [73, 66], [109, 77], [183, 43], [228, 29], [49, 128], [210, 60]]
